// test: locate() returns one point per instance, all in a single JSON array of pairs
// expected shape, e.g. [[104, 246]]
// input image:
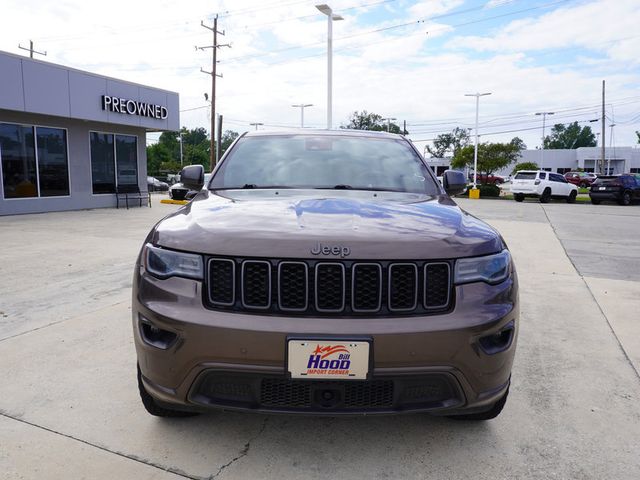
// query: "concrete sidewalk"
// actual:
[[69, 406]]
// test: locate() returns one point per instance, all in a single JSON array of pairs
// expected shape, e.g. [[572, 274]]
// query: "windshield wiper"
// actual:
[[342, 187]]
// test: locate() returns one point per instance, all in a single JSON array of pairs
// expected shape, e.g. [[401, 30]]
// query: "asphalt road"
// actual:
[[69, 406]]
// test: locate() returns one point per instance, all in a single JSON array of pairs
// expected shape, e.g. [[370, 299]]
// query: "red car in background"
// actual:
[[582, 179], [492, 179]]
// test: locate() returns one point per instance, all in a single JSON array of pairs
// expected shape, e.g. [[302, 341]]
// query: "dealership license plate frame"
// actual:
[[295, 363]]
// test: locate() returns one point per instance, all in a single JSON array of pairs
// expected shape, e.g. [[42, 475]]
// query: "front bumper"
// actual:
[[237, 361]]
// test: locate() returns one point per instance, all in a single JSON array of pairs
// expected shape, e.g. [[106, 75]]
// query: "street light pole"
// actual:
[[180, 148], [330, 17], [475, 150], [256, 124], [544, 118], [302, 106]]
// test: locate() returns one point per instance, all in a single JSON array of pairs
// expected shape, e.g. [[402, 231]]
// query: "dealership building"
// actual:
[[71, 139]]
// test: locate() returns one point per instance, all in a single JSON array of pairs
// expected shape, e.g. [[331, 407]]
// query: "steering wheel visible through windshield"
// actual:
[[324, 162]]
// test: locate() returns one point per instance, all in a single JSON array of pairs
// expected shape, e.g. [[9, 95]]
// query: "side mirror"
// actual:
[[454, 182], [192, 177]]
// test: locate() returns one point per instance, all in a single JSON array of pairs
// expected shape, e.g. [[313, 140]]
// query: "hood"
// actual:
[[326, 224]]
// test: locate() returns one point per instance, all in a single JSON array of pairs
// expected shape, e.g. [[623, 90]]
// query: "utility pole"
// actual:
[[256, 124], [603, 134], [213, 74], [31, 50], [544, 118], [404, 128], [302, 106]]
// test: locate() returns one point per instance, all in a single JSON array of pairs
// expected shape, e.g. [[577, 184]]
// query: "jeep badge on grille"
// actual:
[[320, 249]]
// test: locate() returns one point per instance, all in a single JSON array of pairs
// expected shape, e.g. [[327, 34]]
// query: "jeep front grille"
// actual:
[[342, 288]]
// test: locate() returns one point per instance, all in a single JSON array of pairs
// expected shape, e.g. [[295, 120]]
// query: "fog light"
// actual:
[[155, 336], [498, 342]]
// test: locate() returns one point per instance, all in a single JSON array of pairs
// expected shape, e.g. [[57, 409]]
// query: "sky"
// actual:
[[406, 59]]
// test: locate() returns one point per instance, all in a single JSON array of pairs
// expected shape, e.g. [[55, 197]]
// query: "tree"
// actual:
[[449, 142], [524, 166], [371, 121], [518, 142], [228, 137], [570, 136], [491, 157], [164, 156], [157, 154]]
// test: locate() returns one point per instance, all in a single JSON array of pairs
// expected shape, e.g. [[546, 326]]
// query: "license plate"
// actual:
[[335, 360], [602, 188]]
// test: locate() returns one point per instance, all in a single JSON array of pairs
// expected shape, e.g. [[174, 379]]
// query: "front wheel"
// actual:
[[584, 185], [572, 197], [489, 414], [546, 196], [625, 199], [518, 197]]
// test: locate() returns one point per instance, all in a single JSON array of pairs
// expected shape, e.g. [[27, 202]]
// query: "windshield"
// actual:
[[324, 162]]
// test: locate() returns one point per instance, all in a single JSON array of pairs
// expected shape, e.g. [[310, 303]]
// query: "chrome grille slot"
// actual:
[[293, 282], [366, 287], [403, 287], [256, 284], [436, 285], [222, 281], [330, 287]]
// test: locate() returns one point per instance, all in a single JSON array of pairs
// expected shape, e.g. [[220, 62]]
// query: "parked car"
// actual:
[[543, 185], [582, 179], [155, 185], [324, 272], [178, 191], [492, 179], [623, 189]]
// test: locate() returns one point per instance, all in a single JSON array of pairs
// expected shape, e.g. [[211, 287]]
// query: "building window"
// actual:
[[53, 169], [589, 170], [114, 161], [562, 171], [34, 161], [634, 170]]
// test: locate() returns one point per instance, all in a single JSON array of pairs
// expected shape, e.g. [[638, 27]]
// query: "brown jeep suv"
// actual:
[[324, 272]]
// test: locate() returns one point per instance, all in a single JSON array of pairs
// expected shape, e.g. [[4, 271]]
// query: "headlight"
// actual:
[[168, 263], [489, 269]]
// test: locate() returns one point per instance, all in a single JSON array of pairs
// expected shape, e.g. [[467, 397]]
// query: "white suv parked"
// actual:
[[544, 185]]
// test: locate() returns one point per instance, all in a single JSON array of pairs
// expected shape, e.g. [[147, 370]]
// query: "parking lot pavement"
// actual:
[[69, 405]]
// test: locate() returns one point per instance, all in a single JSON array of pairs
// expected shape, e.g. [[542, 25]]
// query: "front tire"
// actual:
[[489, 414], [153, 408], [572, 197], [518, 197], [546, 196]]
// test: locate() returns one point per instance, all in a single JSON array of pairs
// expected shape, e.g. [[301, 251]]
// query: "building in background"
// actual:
[[69, 139], [617, 160]]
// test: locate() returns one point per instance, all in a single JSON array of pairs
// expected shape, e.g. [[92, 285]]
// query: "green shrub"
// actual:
[[489, 190]]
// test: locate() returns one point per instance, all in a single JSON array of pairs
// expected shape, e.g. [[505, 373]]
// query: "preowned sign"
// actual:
[[133, 107]]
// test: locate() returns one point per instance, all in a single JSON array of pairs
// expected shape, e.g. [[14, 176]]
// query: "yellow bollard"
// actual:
[[474, 193]]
